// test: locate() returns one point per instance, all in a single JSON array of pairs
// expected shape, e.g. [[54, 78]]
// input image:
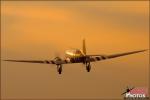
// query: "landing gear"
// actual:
[[59, 69], [88, 66]]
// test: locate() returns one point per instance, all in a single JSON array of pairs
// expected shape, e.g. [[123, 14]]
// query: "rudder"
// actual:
[[84, 47]]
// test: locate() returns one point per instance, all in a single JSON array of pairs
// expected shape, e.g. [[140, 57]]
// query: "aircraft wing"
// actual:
[[104, 57], [92, 58], [39, 61], [28, 61]]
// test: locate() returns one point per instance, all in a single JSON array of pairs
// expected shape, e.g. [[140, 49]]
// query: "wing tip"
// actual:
[[7, 60], [144, 50]]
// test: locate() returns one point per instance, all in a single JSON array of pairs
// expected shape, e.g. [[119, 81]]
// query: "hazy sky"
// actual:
[[42, 30]]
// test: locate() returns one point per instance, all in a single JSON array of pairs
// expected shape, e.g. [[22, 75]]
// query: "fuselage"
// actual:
[[74, 55]]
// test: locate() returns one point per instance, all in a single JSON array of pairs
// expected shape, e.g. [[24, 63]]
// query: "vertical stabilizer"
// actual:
[[84, 47]]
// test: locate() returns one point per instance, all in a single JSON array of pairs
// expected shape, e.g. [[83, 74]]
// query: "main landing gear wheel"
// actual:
[[88, 67], [59, 69]]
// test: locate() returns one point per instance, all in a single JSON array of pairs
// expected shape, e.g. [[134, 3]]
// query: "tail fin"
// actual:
[[84, 47]]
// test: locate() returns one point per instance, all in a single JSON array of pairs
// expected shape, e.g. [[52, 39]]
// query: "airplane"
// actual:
[[128, 90], [77, 56]]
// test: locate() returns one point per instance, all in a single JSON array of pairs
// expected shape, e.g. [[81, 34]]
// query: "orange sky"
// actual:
[[41, 30]]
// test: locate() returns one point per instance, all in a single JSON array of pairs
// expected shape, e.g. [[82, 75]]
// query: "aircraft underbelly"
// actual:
[[76, 59]]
